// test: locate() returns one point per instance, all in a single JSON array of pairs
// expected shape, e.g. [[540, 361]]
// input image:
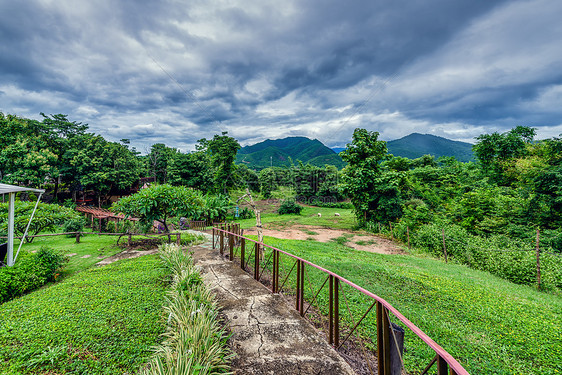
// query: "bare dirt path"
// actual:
[[356, 240]]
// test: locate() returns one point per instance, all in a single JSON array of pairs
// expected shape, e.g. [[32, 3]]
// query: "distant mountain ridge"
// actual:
[[280, 152], [416, 145]]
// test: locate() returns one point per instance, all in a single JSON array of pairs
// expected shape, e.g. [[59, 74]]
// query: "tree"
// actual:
[[191, 170], [159, 203], [158, 161], [362, 175], [223, 151], [101, 165], [497, 152], [267, 181]]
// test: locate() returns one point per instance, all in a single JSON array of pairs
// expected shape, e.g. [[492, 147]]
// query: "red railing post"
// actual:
[[331, 309], [221, 248], [256, 262], [336, 312], [242, 252]]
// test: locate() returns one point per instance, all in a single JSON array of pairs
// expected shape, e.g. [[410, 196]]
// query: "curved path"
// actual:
[[268, 335]]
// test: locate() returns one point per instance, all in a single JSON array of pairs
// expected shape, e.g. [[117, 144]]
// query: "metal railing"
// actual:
[[383, 357]]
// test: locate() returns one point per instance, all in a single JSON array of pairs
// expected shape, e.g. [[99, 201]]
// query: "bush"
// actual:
[[74, 225], [289, 207], [30, 272]]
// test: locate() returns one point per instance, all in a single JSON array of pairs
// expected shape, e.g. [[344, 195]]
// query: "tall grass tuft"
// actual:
[[194, 341]]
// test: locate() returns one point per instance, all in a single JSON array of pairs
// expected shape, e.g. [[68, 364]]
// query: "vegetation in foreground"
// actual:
[[99, 321], [195, 341], [490, 325]]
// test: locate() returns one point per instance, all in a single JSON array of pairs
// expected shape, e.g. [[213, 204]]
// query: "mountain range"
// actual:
[[281, 152]]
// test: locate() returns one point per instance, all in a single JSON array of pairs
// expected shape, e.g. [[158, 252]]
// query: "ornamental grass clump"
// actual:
[[194, 341]]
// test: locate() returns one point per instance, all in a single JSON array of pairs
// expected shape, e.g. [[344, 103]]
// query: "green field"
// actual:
[[489, 325], [100, 321]]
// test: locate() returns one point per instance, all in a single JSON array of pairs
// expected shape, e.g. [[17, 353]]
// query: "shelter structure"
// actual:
[[11, 190]]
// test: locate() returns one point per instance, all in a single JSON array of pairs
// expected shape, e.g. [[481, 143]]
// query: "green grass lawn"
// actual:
[[308, 216], [100, 321], [489, 325]]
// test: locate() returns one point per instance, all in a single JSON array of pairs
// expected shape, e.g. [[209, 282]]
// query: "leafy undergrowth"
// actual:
[[195, 341], [100, 321], [489, 325]]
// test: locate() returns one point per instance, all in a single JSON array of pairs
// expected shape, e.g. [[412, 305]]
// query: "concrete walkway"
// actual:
[[268, 335]]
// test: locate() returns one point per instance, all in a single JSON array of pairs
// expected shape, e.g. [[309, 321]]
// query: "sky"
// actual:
[[176, 71]]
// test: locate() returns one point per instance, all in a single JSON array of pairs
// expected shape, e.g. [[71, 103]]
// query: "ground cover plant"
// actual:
[[490, 325], [30, 272], [195, 341], [100, 321]]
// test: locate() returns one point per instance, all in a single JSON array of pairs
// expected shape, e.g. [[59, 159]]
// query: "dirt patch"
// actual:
[[355, 240], [126, 254]]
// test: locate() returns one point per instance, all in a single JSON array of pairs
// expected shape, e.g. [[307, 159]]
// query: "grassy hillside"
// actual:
[[490, 325], [278, 153], [99, 321]]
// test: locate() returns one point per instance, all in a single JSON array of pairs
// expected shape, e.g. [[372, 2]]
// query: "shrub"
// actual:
[[289, 207], [74, 225], [30, 272]]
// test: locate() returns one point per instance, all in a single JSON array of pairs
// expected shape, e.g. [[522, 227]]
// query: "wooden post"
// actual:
[[242, 252], [77, 237], [178, 239], [379, 227], [130, 239], [391, 232], [444, 247], [538, 260]]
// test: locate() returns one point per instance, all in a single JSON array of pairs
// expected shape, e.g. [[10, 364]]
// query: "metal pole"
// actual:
[[242, 252], [11, 209], [297, 304], [256, 262], [336, 312], [331, 309]]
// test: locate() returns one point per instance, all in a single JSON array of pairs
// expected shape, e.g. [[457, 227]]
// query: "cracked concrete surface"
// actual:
[[268, 335]]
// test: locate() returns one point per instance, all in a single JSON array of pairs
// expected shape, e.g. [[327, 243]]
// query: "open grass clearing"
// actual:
[[490, 325], [103, 320]]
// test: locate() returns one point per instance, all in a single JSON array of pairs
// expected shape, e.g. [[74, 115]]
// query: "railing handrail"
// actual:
[[453, 363]]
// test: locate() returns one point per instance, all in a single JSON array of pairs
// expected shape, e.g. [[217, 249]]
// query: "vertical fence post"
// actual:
[[274, 271], [178, 239], [130, 239], [336, 312], [391, 231], [213, 237], [444, 247], [242, 252], [221, 245], [297, 299], [301, 302], [379, 227], [442, 367], [331, 309], [256, 262], [538, 260], [383, 340], [231, 246], [408, 234]]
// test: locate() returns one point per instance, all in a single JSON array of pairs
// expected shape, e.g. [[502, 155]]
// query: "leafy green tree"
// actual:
[[191, 170], [160, 203], [496, 152], [223, 151], [158, 161], [362, 176], [267, 181], [100, 165]]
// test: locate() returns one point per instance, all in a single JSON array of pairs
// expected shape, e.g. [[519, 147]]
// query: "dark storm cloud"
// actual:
[[175, 72]]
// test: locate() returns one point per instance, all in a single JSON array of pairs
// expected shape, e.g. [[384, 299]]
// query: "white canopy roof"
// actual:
[[5, 189]]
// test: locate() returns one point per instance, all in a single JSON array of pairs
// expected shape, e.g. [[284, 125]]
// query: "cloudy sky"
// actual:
[[177, 71]]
